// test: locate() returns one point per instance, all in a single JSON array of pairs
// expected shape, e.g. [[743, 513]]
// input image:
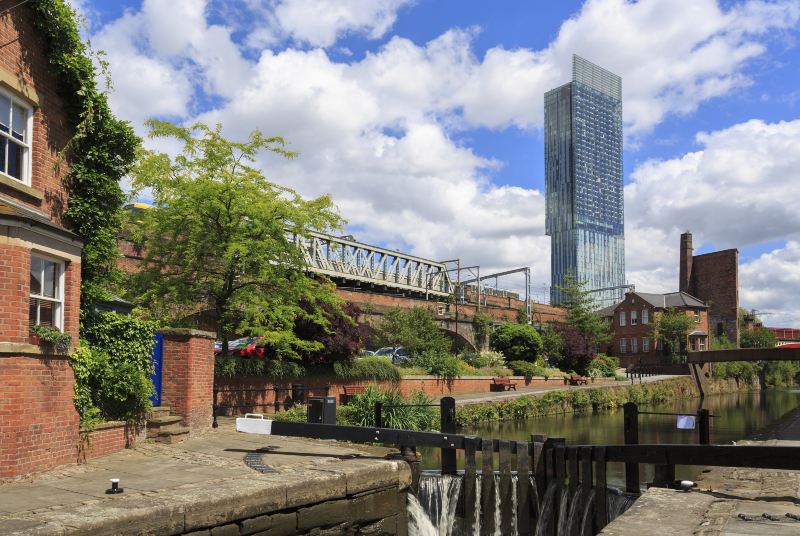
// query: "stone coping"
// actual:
[[188, 332], [11, 349], [106, 425]]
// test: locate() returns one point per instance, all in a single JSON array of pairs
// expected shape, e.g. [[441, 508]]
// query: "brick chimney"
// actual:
[[685, 281]]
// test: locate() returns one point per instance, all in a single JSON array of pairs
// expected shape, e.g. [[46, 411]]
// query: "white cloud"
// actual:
[[770, 282], [320, 22], [377, 132]]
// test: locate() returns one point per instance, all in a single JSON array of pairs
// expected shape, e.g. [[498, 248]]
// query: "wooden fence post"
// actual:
[[447, 425], [631, 416], [704, 426]]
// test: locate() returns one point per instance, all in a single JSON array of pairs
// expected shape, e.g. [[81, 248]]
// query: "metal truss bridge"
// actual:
[[343, 258]]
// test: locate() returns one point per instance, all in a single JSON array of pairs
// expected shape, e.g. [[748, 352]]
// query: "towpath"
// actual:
[[204, 482], [474, 398]]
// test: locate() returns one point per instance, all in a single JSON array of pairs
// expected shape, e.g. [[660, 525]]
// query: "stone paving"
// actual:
[[169, 489], [713, 508]]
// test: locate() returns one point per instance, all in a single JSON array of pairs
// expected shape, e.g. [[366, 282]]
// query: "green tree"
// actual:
[[481, 325], [579, 305], [757, 338], [552, 345], [517, 342], [722, 342], [222, 238], [672, 328], [414, 329]]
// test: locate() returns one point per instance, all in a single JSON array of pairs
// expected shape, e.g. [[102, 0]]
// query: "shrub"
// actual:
[[297, 413], [780, 373], [230, 367], [741, 371], [487, 359], [524, 368], [374, 368], [517, 342], [439, 364], [603, 366]]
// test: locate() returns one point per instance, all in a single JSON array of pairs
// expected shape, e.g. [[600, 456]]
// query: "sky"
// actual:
[[423, 118]]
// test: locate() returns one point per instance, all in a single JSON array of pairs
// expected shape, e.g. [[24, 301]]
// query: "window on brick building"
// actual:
[[634, 345], [645, 316], [16, 122], [622, 318], [697, 315], [46, 293], [634, 319], [622, 346], [645, 344]]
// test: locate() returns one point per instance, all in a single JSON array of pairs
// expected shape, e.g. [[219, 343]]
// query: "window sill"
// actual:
[[20, 187], [10, 349]]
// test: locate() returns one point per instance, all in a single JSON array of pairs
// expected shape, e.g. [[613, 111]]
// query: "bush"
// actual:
[[780, 373], [603, 366], [231, 367], [517, 342], [487, 359], [741, 371], [112, 367], [439, 364], [374, 368], [523, 368], [297, 413]]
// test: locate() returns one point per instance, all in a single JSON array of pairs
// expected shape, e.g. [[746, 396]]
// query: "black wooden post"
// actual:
[[214, 424], [277, 398], [447, 425], [378, 415], [704, 427], [631, 416]]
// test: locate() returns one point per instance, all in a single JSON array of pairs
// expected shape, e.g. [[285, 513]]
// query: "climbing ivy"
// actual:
[[100, 153]]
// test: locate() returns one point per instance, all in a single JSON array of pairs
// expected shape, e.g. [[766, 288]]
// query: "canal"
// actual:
[[740, 415]]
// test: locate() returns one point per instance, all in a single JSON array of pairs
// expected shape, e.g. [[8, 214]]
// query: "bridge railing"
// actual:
[[351, 260]]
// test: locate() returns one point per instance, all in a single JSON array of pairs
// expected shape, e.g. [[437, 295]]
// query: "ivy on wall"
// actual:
[[101, 152]]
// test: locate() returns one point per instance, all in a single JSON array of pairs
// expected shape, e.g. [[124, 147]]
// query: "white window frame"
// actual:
[[634, 345], [27, 153], [623, 348], [696, 314], [645, 316], [622, 318], [702, 344], [645, 344], [634, 319], [58, 313]]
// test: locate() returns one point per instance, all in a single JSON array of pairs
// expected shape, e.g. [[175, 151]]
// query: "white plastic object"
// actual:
[[686, 422], [254, 423]]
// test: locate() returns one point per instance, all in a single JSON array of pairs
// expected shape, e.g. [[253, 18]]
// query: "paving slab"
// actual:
[[194, 484]]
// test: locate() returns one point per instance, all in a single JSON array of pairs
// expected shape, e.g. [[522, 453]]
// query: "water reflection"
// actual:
[[737, 416]]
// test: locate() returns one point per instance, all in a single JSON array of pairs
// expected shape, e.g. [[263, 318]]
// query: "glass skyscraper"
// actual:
[[583, 181]]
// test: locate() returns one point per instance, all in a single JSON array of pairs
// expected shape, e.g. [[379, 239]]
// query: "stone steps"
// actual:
[[165, 427], [173, 435]]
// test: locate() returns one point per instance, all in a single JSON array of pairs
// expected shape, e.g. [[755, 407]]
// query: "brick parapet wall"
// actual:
[[262, 395], [38, 420], [108, 438], [188, 376]]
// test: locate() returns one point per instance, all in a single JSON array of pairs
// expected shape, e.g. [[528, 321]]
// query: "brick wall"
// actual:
[[38, 421], [715, 280], [188, 376], [22, 56], [15, 262], [108, 438], [262, 396]]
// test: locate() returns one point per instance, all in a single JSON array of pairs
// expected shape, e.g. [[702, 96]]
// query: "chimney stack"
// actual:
[[685, 282]]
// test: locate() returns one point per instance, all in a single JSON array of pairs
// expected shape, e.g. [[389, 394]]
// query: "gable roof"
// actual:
[[672, 299]]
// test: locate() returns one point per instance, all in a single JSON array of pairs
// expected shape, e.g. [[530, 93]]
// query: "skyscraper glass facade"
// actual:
[[583, 181]]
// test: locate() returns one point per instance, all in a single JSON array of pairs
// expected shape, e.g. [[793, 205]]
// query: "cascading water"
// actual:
[[434, 512]]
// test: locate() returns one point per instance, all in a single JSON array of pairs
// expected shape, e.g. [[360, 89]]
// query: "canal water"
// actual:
[[741, 415]]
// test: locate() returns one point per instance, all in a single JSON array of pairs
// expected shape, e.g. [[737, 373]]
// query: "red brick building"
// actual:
[[632, 320], [40, 261], [714, 279]]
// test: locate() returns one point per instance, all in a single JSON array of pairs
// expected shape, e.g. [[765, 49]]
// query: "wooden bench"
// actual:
[[577, 379], [350, 390], [502, 384]]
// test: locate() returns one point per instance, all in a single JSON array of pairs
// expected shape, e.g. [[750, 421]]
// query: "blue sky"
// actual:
[[422, 118]]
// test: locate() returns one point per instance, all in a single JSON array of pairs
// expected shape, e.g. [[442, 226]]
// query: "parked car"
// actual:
[[397, 354]]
